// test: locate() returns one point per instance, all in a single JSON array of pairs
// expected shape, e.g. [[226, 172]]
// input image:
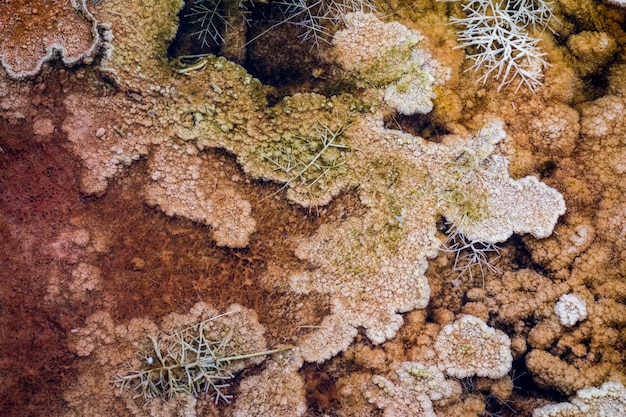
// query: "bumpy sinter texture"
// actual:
[[411, 391], [180, 181], [585, 258], [607, 400], [389, 56], [113, 351], [277, 391], [469, 347], [371, 263], [43, 30]]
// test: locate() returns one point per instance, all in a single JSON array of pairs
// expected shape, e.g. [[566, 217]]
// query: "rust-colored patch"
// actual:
[[150, 264], [30, 28], [157, 264], [37, 193], [322, 392]]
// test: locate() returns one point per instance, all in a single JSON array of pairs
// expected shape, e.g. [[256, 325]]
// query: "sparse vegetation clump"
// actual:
[[497, 37], [472, 258], [191, 361], [311, 162], [315, 19]]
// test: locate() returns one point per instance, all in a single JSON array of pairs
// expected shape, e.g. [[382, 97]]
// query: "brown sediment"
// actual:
[[157, 264], [38, 193], [150, 264]]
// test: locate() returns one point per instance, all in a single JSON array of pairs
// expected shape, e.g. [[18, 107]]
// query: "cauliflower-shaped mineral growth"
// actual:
[[469, 347]]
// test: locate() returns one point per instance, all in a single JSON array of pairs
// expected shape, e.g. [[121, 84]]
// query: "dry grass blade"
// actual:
[[188, 361]]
